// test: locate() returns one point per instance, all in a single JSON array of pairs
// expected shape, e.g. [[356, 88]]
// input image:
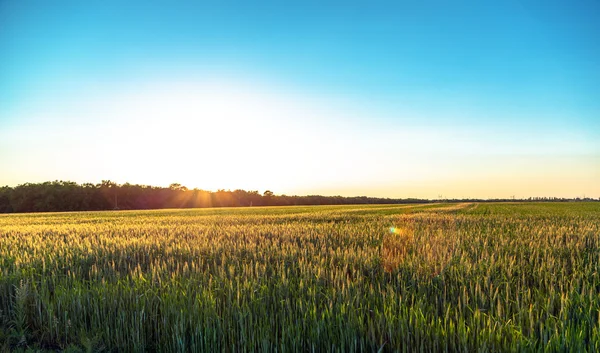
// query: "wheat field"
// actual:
[[435, 277]]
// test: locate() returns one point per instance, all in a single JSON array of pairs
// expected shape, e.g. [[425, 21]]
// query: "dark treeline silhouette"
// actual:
[[69, 196]]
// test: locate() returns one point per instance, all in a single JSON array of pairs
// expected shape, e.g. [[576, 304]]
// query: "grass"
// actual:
[[441, 277]]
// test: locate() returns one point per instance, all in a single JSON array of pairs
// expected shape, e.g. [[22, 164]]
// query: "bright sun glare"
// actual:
[[214, 136], [231, 135]]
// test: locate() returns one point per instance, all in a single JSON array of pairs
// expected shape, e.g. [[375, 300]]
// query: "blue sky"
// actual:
[[465, 99]]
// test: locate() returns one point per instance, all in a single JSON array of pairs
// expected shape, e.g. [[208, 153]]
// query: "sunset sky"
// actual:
[[398, 99]]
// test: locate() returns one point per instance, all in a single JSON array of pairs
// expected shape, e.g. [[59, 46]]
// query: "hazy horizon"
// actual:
[[394, 99]]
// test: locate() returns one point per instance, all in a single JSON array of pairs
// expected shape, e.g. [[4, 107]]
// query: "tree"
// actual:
[[178, 187]]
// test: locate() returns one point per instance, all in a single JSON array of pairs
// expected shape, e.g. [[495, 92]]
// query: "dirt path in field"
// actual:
[[391, 207], [451, 208]]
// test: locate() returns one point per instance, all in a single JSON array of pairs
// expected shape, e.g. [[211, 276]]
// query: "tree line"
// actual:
[[56, 196]]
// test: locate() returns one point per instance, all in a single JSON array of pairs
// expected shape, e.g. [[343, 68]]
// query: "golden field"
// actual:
[[435, 277]]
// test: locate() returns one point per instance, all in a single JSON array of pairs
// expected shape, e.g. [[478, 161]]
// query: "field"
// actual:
[[436, 277]]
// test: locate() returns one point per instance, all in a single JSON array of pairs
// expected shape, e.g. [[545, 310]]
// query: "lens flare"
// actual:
[[395, 230]]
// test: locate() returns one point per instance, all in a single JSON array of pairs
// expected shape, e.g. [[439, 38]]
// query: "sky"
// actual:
[[459, 99]]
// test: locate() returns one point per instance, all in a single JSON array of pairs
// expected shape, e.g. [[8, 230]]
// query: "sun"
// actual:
[[208, 136]]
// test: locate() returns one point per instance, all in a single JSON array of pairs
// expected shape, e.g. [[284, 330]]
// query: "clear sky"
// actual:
[[380, 98]]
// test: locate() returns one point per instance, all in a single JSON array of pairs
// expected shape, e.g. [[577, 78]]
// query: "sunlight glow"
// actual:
[[228, 135]]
